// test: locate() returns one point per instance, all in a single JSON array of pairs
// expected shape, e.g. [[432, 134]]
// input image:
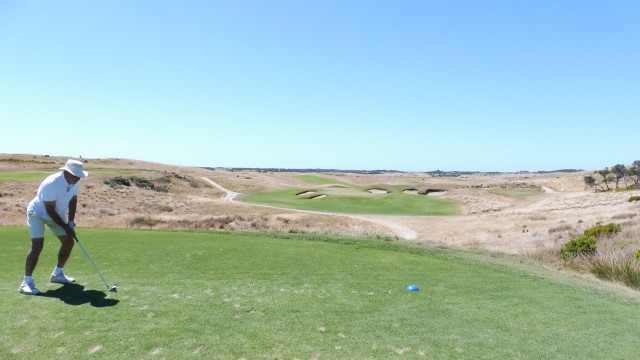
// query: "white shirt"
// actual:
[[54, 188]]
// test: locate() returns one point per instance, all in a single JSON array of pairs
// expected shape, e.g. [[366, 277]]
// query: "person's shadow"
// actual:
[[74, 294]]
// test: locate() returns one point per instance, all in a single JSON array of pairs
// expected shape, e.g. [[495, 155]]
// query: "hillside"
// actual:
[[180, 199], [493, 216]]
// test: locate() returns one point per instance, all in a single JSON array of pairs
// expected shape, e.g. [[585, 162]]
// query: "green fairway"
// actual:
[[318, 180], [216, 295], [23, 176], [355, 200]]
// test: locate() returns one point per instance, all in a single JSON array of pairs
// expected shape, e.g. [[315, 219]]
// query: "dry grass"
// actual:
[[525, 225], [614, 259], [180, 199]]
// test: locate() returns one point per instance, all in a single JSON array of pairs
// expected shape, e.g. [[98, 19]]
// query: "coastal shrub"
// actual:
[[584, 245], [144, 221], [118, 180], [142, 182], [634, 198], [600, 231]]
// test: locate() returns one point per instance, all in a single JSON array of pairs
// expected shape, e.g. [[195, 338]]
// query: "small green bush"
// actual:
[[637, 255], [147, 221], [634, 198], [118, 180], [164, 179], [142, 182], [600, 231], [161, 188], [582, 245]]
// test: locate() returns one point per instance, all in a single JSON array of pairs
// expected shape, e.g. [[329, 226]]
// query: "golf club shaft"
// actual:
[[91, 261]]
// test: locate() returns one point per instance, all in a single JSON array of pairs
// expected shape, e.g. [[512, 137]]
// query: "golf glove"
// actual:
[[72, 225]]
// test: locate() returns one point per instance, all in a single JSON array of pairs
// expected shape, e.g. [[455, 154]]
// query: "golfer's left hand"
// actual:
[[71, 229]]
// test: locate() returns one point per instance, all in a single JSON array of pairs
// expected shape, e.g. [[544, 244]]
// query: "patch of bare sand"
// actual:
[[378, 191]]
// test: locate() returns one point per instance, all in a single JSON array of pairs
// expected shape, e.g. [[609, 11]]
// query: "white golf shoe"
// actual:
[[61, 279], [28, 288]]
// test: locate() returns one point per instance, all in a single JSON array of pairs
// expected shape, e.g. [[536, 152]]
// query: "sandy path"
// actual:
[[230, 194], [401, 231]]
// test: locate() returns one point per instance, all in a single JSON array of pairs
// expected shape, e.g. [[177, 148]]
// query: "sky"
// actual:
[[496, 85]]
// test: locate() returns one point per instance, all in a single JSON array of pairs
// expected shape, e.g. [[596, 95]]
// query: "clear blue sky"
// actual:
[[404, 85]]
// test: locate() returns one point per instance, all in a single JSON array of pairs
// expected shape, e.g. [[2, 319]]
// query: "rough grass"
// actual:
[[514, 193], [613, 260], [232, 296]]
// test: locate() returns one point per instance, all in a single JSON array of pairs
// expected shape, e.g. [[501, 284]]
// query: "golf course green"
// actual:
[[340, 197], [217, 295]]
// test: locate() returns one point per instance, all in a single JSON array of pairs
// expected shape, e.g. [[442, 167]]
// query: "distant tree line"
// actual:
[[629, 175]]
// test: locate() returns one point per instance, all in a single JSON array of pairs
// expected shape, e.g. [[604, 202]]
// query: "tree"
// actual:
[[606, 176], [620, 172], [634, 173], [591, 182]]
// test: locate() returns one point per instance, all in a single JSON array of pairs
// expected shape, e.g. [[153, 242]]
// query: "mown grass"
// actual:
[[23, 176], [356, 201], [230, 296], [318, 180]]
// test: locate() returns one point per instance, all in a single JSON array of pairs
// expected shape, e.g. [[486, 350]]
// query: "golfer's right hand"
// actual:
[[70, 229]]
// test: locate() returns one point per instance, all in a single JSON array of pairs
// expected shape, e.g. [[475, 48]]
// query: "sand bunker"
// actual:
[[378, 191], [305, 193], [429, 192], [318, 196]]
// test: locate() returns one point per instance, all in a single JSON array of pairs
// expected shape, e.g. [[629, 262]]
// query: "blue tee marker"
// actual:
[[413, 288]]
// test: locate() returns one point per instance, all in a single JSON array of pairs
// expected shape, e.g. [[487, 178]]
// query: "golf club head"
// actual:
[[113, 288]]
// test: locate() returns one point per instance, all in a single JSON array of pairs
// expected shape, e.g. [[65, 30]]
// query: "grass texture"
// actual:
[[354, 200], [23, 176], [318, 180], [212, 295]]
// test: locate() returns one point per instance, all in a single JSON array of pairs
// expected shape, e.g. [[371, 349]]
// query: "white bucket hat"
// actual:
[[76, 168]]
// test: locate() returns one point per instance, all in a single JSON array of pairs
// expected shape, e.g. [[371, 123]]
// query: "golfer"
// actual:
[[57, 194]]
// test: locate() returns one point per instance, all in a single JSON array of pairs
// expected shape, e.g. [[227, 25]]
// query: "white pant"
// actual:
[[36, 226]]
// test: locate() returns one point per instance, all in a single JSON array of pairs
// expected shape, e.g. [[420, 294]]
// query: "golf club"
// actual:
[[111, 288]]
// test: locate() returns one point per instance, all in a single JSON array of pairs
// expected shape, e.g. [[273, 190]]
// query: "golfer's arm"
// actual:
[[73, 203], [50, 206]]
